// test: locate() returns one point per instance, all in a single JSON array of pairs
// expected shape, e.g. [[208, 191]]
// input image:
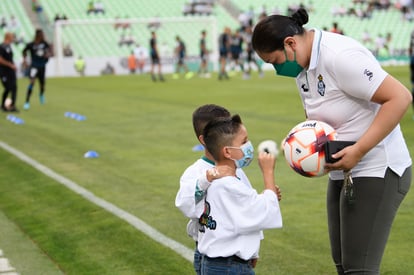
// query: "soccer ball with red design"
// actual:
[[304, 147]]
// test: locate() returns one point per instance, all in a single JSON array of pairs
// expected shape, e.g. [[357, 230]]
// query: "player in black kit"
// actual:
[[8, 73], [40, 52], [224, 49], [155, 58]]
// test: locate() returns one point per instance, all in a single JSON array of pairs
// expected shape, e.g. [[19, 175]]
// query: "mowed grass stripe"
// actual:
[[120, 213], [23, 254], [80, 237]]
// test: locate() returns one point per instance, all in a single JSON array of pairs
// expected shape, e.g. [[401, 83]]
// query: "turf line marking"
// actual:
[[154, 234]]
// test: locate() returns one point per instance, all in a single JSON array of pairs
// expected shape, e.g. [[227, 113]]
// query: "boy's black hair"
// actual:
[[219, 133], [206, 113]]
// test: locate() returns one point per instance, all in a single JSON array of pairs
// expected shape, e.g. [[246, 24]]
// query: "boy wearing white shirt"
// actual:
[[235, 215], [200, 174]]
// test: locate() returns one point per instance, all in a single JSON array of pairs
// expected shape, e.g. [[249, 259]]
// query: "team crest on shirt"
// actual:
[[206, 220], [321, 85]]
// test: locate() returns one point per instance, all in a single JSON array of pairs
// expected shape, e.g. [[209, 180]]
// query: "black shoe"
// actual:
[[4, 109], [13, 109], [153, 78]]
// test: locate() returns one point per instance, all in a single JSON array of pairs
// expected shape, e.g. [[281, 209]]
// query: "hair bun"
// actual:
[[300, 17]]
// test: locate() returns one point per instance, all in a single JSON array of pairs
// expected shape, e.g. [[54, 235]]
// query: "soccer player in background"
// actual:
[[40, 52], [250, 55], [8, 73], [203, 70], [224, 50], [155, 58], [236, 49], [180, 53]]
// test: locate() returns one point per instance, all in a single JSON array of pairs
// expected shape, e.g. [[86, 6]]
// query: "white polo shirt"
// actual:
[[337, 88]]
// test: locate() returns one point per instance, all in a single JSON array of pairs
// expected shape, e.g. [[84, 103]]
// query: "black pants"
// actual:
[[9, 82], [359, 232], [36, 73]]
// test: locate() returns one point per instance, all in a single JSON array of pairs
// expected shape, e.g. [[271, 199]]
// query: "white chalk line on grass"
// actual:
[[154, 234], [5, 266]]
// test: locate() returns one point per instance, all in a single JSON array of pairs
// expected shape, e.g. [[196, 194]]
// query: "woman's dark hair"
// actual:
[[219, 133], [270, 32]]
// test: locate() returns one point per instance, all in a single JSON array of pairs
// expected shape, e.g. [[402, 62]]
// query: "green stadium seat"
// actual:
[[9, 8], [84, 41]]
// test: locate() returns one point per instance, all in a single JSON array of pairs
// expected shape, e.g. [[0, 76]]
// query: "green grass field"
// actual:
[[143, 134]]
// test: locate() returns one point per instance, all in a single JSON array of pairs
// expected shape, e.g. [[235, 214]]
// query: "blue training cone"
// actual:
[[15, 119], [80, 118], [198, 147], [91, 154]]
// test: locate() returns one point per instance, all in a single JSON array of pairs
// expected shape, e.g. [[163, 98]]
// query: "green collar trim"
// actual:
[[207, 160]]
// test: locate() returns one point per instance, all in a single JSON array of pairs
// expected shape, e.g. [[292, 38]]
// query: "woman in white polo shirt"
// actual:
[[342, 84]]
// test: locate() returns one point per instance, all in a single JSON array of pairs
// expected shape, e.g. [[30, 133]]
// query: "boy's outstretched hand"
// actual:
[[267, 163]]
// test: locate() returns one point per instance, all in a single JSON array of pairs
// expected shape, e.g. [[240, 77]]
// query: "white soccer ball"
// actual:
[[8, 103], [304, 147], [269, 146]]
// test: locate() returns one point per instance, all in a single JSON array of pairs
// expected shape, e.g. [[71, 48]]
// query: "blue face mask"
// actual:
[[288, 68], [247, 158]]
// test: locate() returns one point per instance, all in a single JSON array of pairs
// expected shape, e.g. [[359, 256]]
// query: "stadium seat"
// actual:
[[102, 40], [25, 27]]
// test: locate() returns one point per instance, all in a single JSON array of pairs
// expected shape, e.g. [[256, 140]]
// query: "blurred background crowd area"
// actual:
[[384, 26]]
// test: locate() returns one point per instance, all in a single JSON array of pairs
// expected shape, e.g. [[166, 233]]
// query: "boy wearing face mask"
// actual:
[[197, 178], [234, 214]]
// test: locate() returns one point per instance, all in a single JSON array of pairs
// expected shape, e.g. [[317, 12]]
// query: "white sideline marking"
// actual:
[[154, 234], [5, 266]]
